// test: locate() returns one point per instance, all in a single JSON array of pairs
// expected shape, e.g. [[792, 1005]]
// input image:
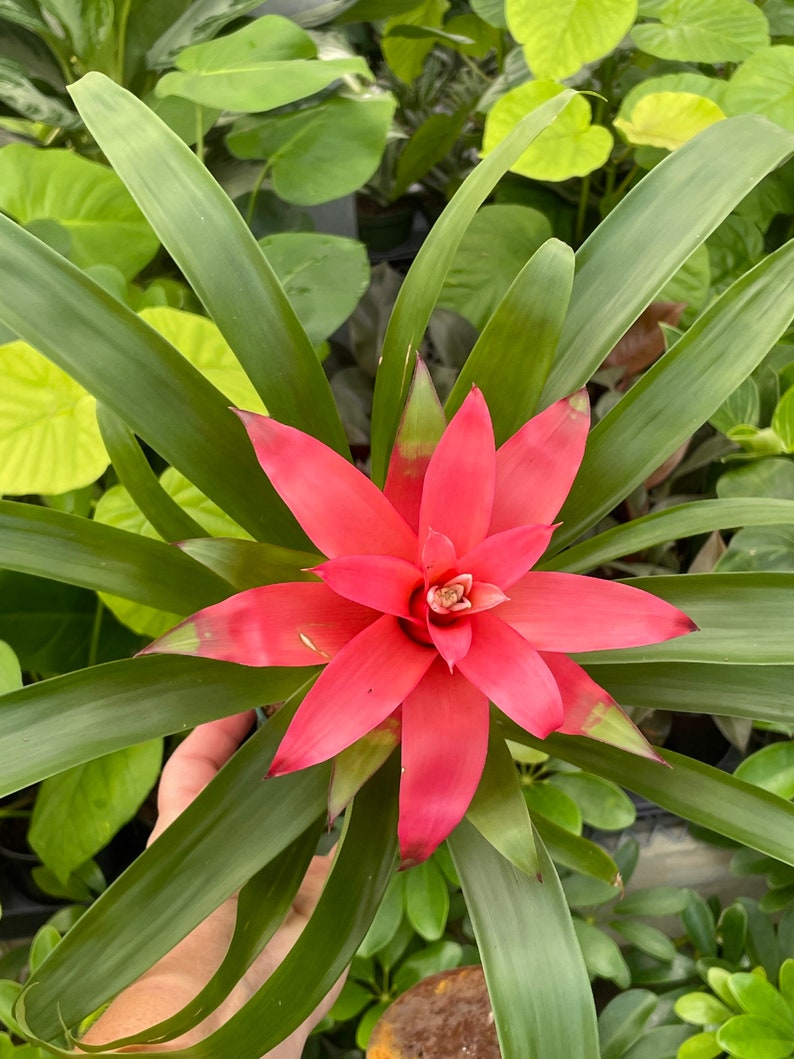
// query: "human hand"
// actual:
[[180, 975]]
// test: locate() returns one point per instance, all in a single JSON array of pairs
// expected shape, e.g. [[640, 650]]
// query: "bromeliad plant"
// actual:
[[389, 611]]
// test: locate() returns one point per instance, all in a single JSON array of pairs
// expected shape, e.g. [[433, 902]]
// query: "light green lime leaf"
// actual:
[[570, 146], [497, 244], [116, 508], [701, 1009], [405, 57], [271, 38], [321, 152], [772, 768], [88, 199], [324, 277], [668, 119], [712, 88], [10, 671], [198, 339], [704, 31], [765, 85], [701, 1046], [756, 996], [260, 86], [559, 38], [78, 811], [49, 438]]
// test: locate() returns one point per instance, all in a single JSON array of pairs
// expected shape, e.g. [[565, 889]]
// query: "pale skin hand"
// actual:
[[183, 972]]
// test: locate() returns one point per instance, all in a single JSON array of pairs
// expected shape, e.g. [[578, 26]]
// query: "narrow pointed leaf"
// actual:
[[420, 430], [499, 812], [512, 357], [741, 618], [538, 1015], [363, 865], [52, 725], [353, 767], [262, 904], [202, 858], [140, 481], [422, 285], [49, 543], [209, 240], [694, 791], [247, 564], [133, 370], [673, 523], [680, 391], [650, 234], [760, 692]]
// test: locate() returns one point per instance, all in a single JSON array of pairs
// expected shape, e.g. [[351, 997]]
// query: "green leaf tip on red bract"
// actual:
[[428, 608]]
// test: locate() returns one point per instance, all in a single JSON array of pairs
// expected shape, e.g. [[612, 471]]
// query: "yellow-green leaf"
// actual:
[[765, 85], [560, 38], [570, 146], [117, 509], [198, 339], [668, 119], [49, 438], [704, 31]]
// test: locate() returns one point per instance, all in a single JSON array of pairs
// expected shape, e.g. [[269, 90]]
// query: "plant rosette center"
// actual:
[[427, 608]]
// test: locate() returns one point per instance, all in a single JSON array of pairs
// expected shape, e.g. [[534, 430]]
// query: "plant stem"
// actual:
[[581, 212], [122, 40], [249, 213]]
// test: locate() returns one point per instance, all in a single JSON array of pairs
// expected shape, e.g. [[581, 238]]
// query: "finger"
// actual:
[[195, 762]]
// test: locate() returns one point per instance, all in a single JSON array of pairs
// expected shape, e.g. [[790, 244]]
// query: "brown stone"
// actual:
[[446, 1016]]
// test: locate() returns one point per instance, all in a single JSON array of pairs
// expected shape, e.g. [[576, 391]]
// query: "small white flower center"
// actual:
[[450, 598]]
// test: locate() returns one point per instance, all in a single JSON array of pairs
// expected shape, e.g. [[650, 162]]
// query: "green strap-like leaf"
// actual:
[[523, 928], [673, 523], [499, 812], [140, 481], [422, 285], [362, 868], [511, 359], [209, 240], [692, 790], [48, 543], [575, 852], [649, 235], [246, 564], [50, 726], [236, 825], [681, 390], [130, 368], [760, 692], [261, 906], [742, 619]]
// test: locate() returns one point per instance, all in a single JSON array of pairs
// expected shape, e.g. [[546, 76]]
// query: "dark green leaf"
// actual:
[[78, 717], [39, 540], [423, 283], [218, 255], [538, 1015], [427, 900], [623, 1020], [652, 231], [698, 919], [202, 20]]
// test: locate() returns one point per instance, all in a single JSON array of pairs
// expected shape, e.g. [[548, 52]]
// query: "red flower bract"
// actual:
[[427, 608]]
